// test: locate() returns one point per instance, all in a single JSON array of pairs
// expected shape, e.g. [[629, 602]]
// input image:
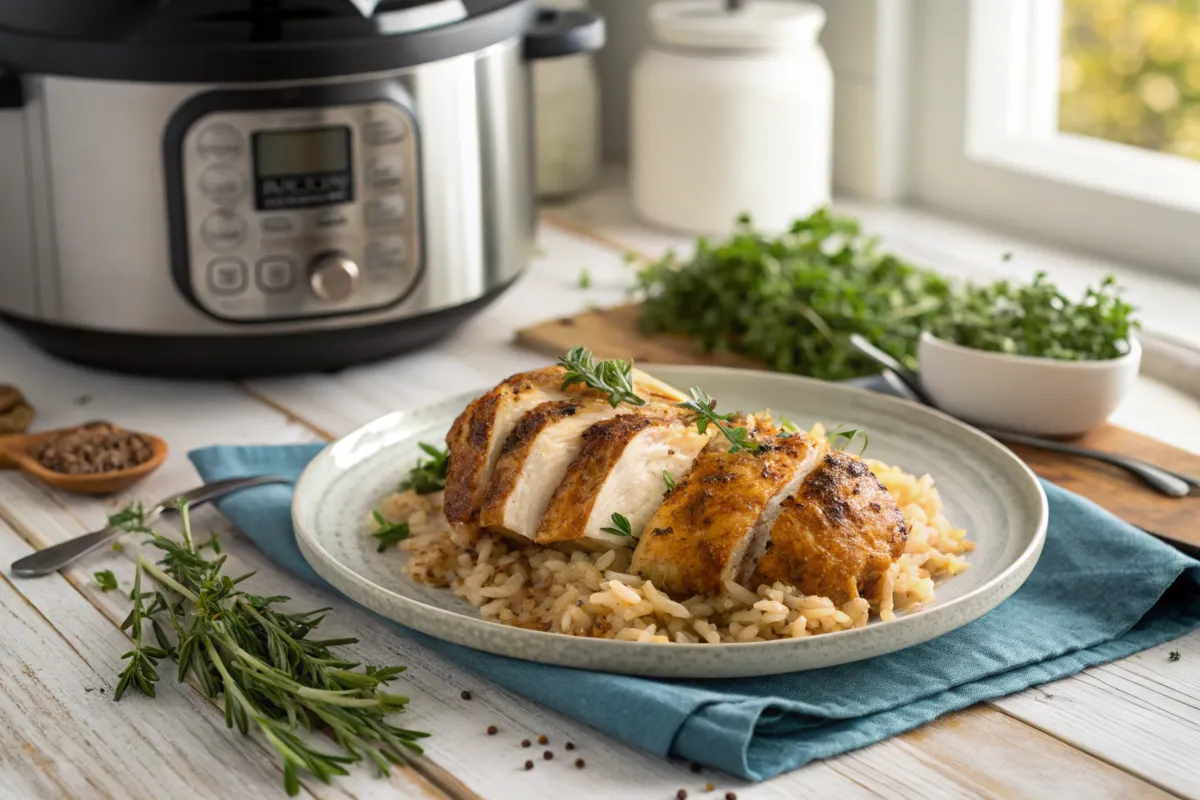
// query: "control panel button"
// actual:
[[385, 130], [388, 253], [220, 141], [226, 276], [333, 276], [275, 274], [386, 210], [221, 184], [330, 219], [385, 171], [223, 230], [277, 225]]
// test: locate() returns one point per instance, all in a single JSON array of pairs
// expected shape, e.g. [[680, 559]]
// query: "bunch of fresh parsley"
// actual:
[[793, 300]]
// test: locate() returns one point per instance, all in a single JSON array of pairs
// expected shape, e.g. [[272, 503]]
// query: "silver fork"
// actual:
[[60, 555]]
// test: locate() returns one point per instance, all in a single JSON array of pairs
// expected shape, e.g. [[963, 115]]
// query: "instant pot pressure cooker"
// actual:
[[243, 187]]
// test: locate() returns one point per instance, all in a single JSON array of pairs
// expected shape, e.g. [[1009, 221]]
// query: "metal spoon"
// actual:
[[60, 555], [1172, 484]]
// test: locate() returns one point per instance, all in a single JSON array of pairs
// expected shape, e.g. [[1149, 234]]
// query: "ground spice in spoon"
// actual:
[[94, 449]]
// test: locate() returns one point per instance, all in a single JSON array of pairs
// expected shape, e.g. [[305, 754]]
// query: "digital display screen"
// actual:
[[303, 168]]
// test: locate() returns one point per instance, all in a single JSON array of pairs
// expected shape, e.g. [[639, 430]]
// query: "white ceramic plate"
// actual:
[[985, 488]]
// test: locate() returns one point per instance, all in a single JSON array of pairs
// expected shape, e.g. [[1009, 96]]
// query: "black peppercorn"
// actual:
[[492, 730], [528, 765], [465, 695], [547, 755], [579, 763]]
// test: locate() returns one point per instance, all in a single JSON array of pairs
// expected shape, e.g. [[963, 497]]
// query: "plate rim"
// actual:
[[324, 562]]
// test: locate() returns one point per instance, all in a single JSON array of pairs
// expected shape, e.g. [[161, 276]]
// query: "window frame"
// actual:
[[1014, 51], [981, 148]]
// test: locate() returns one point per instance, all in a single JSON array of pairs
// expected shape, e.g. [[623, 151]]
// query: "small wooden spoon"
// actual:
[[15, 453]]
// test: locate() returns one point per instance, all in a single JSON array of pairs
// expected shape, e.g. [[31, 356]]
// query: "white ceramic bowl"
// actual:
[[1025, 394]]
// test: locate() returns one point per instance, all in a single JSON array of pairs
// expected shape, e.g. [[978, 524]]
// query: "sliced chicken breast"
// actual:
[[837, 534], [711, 527], [534, 460], [479, 432], [620, 470]]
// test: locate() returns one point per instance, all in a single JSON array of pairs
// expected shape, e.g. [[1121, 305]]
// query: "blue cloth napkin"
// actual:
[[1101, 591]]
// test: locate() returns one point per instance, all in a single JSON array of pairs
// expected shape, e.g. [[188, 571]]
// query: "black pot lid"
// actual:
[[246, 40]]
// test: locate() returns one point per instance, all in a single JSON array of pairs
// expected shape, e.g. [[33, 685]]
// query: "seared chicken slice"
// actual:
[[713, 524], [620, 470], [837, 534], [479, 432], [534, 460]]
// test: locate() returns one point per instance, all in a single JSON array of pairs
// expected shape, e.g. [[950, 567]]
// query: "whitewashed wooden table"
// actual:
[[1128, 729]]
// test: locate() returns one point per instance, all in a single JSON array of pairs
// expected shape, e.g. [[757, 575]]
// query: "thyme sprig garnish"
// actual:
[[669, 481], [620, 526], [613, 377], [428, 475], [704, 409], [261, 659]]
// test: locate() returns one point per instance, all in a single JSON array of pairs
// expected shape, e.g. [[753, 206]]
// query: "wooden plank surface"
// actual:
[[613, 333], [994, 751], [1010, 757]]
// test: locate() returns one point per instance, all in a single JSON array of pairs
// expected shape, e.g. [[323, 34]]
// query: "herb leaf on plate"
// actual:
[[703, 408], [428, 475], [613, 377], [620, 526], [388, 533]]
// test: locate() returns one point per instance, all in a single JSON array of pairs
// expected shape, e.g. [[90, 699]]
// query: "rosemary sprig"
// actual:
[[704, 409], [428, 475], [620, 526], [261, 659], [143, 659], [613, 377]]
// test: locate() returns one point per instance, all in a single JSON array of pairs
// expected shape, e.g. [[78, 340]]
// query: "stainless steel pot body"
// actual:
[[124, 210]]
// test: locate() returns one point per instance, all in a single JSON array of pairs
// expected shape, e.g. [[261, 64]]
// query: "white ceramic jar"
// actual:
[[566, 119], [731, 112]]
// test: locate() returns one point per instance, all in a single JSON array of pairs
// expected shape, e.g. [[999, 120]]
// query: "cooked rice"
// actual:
[[593, 594]]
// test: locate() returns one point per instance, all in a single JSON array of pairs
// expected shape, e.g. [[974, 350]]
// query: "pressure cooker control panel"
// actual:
[[299, 212]]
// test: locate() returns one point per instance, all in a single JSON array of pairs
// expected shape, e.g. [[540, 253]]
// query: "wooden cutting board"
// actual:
[[613, 333]]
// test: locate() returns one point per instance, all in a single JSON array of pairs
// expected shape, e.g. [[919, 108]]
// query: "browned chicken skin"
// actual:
[[836, 535], [620, 469], [479, 432], [707, 527]]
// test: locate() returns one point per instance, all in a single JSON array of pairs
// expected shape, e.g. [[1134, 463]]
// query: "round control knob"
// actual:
[[333, 276]]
